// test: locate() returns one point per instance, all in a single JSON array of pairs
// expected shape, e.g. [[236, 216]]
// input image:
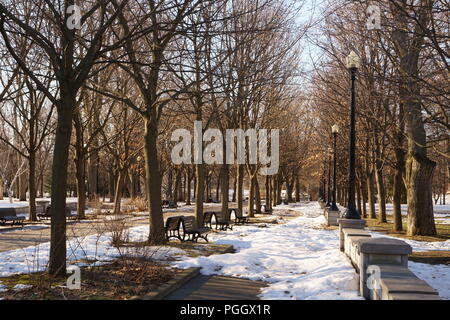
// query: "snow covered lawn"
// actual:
[[90, 248], [299, 260]]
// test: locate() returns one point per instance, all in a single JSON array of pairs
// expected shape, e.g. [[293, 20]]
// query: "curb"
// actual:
[[170, 286]]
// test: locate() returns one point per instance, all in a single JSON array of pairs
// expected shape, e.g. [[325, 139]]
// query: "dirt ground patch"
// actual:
[[120, 280]]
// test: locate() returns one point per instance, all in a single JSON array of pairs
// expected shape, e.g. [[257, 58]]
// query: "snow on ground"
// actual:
[[16, 203], [298, 260], [92, 248], [7, 204], [439, 209], [437, 276]]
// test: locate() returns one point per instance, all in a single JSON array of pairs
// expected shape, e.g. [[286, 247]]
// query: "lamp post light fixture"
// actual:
[[353, 64], [335, 131]]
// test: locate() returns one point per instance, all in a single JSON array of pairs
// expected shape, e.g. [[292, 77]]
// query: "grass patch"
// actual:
[[443, 231], [431, 257]]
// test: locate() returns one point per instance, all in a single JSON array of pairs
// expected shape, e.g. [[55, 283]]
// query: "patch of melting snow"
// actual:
[[298, 255]]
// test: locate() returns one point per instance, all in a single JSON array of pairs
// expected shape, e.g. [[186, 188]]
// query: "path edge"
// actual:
[[167, 288]]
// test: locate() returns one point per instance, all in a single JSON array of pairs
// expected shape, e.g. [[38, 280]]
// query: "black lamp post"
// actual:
[[335, 131], [329, 181], [353, 63]]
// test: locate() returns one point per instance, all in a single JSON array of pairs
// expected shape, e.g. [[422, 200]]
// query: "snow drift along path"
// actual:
[[298, 260]]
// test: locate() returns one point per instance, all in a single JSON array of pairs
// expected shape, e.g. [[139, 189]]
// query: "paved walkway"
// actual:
[[218, 288]]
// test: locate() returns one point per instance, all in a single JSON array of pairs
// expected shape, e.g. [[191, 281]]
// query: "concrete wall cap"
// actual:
[[354, 232], [384, 246]]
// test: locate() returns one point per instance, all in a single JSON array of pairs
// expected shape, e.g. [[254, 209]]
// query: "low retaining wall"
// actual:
[[382, 264], [332, 217]]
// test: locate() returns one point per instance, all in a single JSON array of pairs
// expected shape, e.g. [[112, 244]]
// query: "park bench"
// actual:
[[169, 204], [223, 222], [207, 219], [172, 228], [239, 217], [47, 215], [192, 231], [43, 204], [10, 215], [266, 210]]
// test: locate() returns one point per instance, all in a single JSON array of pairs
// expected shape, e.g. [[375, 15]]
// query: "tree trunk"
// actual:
[[275, 190], [257, 195], [419, 173], [80, 167], [358, 194], [157, 234], [188, 186], [297, 188], [112, 185], [398, 188], [272, 190], [251, 202], [92, 174], [224, 187], [32, 185], [57, 263], [23, 185], [288, 190], [240, 186], [81, 185], [218, 186], [279, 188], [169, 190], [268, 193], [381, 194], [381, 190], [2, 190], [419, 169], [234, 190], [176, 187], [119, 191], [371, 194], [363, 187], [199, 191], [41, 184]]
